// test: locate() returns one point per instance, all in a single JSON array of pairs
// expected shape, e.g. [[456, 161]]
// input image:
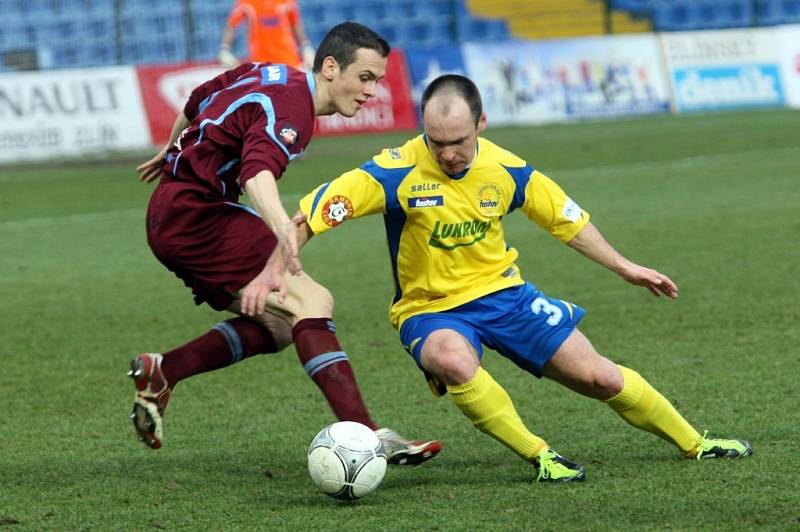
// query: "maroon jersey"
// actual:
[[258, 116]]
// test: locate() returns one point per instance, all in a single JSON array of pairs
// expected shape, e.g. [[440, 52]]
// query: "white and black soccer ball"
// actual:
[[346, 460]]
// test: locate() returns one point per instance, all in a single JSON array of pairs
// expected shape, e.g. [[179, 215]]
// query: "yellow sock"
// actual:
[[490, 409], [642, 406]]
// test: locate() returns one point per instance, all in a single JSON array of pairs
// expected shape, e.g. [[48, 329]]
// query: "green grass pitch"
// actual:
[[710, 200]]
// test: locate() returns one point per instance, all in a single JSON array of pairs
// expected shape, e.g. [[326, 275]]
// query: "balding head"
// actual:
[[445, 91], [448, 106], [452, 117]]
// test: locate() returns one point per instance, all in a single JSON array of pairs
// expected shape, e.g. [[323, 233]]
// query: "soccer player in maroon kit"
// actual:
[[237, 133]]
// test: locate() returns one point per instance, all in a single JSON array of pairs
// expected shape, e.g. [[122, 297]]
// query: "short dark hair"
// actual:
[[343, 40], [459, 85]]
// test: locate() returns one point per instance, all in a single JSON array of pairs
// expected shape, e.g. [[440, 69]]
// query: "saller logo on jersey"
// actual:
[[430, 201], [336, 210]]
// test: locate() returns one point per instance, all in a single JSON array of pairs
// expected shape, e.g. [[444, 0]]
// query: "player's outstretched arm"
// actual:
[[591, 244], [151, 169], [263, 191], [254, 295]]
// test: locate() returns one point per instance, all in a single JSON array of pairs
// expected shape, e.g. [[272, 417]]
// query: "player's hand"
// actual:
[[270, 280], [656, 282], [226, 58], [287, 240], [151, 169], [299, 219]]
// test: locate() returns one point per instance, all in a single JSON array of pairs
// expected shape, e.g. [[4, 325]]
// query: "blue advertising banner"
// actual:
[[698, 89], [426, 64], [724, 69], [543, 81]]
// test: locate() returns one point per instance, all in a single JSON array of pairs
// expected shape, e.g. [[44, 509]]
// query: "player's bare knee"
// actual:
[[279, 328], [607, 381], [316, 301], [449, 357]]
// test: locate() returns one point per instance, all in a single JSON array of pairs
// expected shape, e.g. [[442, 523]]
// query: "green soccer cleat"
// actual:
[[714, 448], [552, 467]]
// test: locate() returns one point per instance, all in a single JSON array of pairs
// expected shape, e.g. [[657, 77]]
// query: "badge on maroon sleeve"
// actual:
[[288, 135], [336, 210]]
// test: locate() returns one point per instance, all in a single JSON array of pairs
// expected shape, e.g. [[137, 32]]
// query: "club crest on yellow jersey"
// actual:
[[336, 210], [490, 198]]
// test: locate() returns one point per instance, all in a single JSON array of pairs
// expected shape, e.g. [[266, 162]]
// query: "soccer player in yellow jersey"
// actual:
[[443, 196]]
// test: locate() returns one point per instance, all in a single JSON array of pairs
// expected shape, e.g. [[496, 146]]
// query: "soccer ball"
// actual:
[[346, 460]]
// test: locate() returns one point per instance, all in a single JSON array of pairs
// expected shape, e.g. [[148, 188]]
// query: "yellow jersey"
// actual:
[[444, 232]]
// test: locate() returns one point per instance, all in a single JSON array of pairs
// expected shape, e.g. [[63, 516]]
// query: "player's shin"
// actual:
[[643, 407], [490, 409], [329, 368], [226, 343]]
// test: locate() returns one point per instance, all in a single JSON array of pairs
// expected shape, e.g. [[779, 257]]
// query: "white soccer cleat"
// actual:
[[400, 451], [150, 401]]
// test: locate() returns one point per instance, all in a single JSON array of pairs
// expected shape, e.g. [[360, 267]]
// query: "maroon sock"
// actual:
[[227, 343], [329, 367]]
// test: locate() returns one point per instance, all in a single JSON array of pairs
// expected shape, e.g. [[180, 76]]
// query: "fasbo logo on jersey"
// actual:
[[459, 233], [430, 201]]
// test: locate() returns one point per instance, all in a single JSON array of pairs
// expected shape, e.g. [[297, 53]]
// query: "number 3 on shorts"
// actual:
[[541, 304]]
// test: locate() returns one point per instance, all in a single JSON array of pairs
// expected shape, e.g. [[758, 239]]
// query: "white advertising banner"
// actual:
[[524, 82], [70, 112], [790, 47], [724, 69]]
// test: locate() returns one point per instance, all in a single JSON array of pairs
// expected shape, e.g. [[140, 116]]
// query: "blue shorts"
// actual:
[[520, 323]]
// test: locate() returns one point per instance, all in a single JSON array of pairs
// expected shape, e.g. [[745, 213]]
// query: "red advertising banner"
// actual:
[[165, 89]]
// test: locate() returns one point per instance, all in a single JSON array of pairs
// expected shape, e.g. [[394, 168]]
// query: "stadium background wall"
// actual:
[[67, 112]]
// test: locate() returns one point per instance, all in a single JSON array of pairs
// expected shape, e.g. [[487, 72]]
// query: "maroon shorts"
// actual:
[[216, 247]]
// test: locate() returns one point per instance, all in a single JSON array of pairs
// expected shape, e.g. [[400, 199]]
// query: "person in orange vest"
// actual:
[[276, 34]]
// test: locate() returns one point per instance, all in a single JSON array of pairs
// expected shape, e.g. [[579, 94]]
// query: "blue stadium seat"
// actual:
[[441, 29], [65, 56], [204, 49], [435, 8], [405, 10], [100, 8], [637, 7], [96, 53], [98, 27], [152, 7], [313, 15], [154, 51], [400, 21], [472, 29], [414, 33], [675, 16], [739, 13], [389, 33], [316, 34], [207, 25], [790, 11]]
